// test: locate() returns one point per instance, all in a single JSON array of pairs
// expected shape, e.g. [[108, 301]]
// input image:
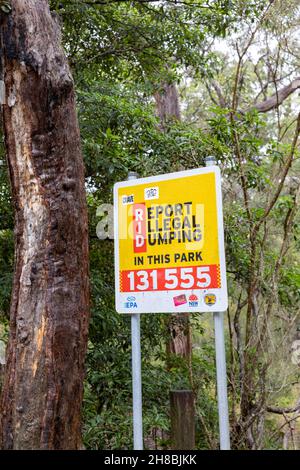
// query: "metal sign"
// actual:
[[169, 243]]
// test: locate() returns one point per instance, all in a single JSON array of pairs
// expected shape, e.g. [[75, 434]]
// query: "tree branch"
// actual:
[[218, 90], [281, 180], [278, 98], [282, 411]]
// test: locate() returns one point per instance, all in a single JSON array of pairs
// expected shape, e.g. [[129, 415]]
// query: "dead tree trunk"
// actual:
[[43, 384], [168, 109], [167, 104], [179, 343]]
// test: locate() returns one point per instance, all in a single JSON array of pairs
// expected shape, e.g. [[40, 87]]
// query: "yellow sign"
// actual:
[[169, 247]]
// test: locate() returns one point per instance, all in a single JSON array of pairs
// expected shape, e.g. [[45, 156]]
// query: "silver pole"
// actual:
[[137, 382], [221, 381], [136, 371], [221, 367]]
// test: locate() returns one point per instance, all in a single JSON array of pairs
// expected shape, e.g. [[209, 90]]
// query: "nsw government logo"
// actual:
[[130, 302], [193, 301]]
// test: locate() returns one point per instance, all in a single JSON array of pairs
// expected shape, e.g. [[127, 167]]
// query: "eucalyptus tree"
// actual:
[[43, 383], [120, 52], [254, 126]]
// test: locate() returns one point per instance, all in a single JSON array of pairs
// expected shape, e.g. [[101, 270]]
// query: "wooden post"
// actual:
[[182, 419]]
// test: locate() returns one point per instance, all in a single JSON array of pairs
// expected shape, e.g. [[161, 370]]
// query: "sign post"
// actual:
[[136, 371], [221, 367], [170, 257], [221, 381]]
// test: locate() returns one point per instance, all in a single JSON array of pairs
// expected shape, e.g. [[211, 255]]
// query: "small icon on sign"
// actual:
[[193, 301], [210, 299], [151, 193], [193, 298], [127, 200], [180, 300], [131, 299]]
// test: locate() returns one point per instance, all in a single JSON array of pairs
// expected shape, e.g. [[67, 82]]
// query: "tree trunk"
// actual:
[[168, 109], [179, 341], [167, 104], [43, 384]]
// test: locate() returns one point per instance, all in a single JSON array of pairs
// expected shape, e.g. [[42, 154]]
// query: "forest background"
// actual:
[[161, 85]]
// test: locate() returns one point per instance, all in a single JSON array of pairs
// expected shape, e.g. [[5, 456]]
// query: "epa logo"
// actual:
[[131, 303]]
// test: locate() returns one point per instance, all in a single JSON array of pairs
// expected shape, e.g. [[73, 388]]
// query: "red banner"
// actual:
[[162, 279], [139, 228]]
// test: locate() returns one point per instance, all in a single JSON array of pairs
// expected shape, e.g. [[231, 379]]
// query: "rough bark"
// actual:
[[180, 342], [43, 385], [167, 104]]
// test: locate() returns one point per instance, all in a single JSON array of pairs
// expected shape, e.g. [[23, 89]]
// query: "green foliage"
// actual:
[[6, 238], [6, 256], [120, 54], [289, 286], [138, 39], [120, 133]]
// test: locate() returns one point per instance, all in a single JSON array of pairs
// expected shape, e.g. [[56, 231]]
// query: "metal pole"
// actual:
[[136, 371], [221, 367], [137, 382], [221, 381]]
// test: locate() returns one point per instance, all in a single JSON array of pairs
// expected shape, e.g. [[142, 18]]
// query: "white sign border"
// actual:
[[120, 298]]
